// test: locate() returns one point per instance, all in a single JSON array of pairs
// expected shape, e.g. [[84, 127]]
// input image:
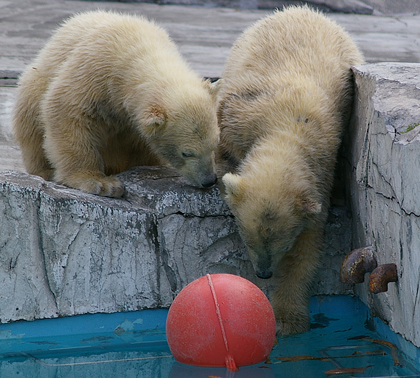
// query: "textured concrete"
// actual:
[[67, 253], [64, 252], [204, 37], [392, 7], [383, 150], [10, 155]]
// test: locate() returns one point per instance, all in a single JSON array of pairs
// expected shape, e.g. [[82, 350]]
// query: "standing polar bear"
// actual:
[[285, 100], [109, 92]]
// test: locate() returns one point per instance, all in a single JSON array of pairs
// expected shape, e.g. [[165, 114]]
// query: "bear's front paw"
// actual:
[[108, 186], [292, 326]]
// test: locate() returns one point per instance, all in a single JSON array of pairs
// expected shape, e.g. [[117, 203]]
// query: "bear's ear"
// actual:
[[214, 87], [233, 187], [152, 119], [310, 206]]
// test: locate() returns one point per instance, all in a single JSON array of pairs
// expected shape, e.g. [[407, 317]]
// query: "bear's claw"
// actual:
[[107, 186]]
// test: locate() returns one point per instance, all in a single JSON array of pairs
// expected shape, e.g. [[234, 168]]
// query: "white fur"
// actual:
[[284, 103], [108, 92]]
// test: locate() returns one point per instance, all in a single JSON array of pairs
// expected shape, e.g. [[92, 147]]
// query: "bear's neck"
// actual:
[[273, 157], [283, 159]]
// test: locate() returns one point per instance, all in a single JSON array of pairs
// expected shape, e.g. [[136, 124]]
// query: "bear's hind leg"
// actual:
[[34, 159], [73, 145], [28, 128]]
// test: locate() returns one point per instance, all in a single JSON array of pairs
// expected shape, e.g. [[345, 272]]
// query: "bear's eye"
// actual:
[[188, 154]]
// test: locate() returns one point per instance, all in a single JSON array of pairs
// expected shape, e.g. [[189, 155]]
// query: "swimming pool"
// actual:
[[344, 340]]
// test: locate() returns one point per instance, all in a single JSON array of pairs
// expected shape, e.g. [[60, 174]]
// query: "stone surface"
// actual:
[[10, 155], [204, 37], [67, 253], [392, 7], [345, 6], [383, 173], [64, 252]]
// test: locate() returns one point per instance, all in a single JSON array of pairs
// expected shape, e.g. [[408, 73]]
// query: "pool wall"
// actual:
[[66, 253], [382, 150], [96, 332]]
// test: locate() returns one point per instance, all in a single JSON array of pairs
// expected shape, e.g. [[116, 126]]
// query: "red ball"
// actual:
[[221, 320]]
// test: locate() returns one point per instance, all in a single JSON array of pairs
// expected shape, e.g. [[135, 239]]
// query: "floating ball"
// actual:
[[221, 320]]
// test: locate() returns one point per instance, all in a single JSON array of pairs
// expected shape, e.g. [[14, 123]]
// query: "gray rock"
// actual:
[[383, 149], [10, 155], [64, 252], [345, 6], [392, 7]]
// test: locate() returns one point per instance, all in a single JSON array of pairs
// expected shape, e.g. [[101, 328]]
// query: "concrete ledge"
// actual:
[[383, 177], [64, 252], [67, 253]]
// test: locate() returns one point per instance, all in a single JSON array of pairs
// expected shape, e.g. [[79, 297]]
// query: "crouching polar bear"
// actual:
[[109, 92], [285, 99]]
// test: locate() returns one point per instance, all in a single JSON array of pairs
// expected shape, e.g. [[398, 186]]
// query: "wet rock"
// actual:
[[383, 149], [64, 252], [345, 6]]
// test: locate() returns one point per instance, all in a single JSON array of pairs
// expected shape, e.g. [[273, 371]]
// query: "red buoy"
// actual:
[[221, 320]]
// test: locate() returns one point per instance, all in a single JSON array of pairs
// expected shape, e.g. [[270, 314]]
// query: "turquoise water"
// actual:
[[342, 336]]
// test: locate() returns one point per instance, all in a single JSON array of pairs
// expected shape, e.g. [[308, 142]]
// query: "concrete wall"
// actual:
[[65, 253], [382, 152]]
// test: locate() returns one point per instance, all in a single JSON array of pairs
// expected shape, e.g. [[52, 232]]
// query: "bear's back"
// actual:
[[286, 69], [116, 37], [296, 42]]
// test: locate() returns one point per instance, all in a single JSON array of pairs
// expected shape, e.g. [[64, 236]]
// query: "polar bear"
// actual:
[[108, 92], [284, 102]]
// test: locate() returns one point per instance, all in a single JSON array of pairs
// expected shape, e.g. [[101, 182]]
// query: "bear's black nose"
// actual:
[[264, 275], [209, 181]]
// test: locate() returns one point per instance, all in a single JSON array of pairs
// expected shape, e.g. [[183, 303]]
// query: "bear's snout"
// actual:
[[264, 274], [209, 181], [263, 269]]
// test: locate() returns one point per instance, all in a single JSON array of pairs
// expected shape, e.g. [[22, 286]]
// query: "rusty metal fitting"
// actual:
[[356, 264], [381, 276]]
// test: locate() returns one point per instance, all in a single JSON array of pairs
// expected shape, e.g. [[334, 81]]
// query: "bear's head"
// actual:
[[269, 216], [183, 132]]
